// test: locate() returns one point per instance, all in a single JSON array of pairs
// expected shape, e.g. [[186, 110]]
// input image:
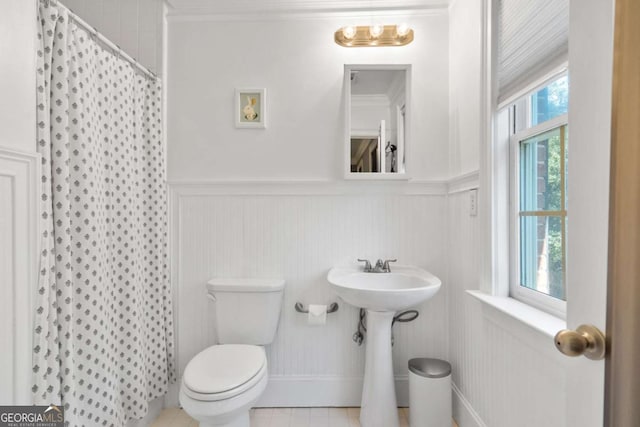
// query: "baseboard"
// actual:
[[309, 391], [305, 187], [463, 412]]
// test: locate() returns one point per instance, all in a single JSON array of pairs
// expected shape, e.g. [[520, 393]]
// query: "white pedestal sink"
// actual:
[[382, 295]]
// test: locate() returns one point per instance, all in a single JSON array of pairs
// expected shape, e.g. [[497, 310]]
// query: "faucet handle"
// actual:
[[367, 264], [386, 267]]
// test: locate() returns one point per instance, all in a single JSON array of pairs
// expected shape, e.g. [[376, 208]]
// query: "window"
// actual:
[[538, 175], [550, 101]]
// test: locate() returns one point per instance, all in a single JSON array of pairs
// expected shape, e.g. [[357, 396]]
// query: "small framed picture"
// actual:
[[251, 108]]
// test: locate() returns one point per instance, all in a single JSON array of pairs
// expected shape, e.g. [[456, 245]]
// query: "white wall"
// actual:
[[273, 203], [18, 75], [505, 373], [465, 85], [18, 198], [134, 25], [302, 69]]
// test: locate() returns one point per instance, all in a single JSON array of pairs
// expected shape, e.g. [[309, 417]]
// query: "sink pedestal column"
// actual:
[[379, 408]]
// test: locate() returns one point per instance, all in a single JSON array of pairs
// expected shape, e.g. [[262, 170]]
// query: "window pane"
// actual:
[[550, 101], [540, 172], [565, 129], [542, 255]]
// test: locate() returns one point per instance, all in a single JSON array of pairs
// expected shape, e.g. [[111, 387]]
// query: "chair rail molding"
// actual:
[[306, 187], [464, 182]]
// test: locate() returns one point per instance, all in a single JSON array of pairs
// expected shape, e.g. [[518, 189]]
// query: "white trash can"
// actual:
[[429, 393]]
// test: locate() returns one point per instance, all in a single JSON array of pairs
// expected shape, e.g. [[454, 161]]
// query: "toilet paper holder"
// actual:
[[332, 308]]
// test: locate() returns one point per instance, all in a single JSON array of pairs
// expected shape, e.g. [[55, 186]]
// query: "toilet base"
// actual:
[[233, 412]]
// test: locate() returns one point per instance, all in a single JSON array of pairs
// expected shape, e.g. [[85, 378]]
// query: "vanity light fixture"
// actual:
[[374, 35], [348, 32], [376, 31]]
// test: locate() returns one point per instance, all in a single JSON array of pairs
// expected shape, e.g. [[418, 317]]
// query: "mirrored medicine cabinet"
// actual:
[[376, 121]]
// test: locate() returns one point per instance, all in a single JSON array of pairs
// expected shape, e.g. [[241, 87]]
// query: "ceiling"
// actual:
[[179, 7], [373, 82]]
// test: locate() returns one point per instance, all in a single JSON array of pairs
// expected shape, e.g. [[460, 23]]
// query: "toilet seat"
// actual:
[[224, 371]]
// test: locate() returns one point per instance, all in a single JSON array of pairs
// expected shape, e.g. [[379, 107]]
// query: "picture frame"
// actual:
[[251, 108]]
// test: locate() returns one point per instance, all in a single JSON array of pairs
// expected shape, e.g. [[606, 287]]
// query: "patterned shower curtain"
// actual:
[[104, 334]]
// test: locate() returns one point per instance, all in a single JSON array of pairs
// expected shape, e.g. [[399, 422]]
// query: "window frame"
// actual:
[[520, 129]]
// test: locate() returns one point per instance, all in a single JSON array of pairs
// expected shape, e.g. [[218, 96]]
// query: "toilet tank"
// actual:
[[247, 311]]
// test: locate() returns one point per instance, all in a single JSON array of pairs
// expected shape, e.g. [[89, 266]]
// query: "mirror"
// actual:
[[377, 112]]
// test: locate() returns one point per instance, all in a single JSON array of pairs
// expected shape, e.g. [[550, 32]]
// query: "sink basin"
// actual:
[[382, 294], [404, 287]]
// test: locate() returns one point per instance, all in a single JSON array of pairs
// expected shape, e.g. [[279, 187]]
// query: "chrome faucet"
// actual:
[[380, 267], [386, 267], [367, 265]]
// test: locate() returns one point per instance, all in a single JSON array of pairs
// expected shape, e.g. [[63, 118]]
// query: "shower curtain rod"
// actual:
[[104, 40]]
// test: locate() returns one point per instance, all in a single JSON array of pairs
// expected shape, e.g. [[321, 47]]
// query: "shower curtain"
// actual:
[[103, 341]]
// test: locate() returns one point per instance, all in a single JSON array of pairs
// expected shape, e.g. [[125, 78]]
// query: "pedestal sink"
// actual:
[[382, 295]]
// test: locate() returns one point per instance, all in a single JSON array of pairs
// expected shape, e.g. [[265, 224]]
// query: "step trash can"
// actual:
[[429, 393]]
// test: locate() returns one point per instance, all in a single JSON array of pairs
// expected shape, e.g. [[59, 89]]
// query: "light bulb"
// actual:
[[376, 31], [349, 32], [402, 29]]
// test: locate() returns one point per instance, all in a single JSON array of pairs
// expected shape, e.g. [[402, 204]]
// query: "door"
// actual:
[[400, 113], [590, 76], [382, 167], [622, 377]]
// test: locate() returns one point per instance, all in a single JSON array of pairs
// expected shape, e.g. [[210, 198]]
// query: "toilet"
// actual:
[[222, 382]]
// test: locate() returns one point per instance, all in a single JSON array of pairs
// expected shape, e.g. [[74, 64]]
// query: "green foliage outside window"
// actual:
[[543, 211]]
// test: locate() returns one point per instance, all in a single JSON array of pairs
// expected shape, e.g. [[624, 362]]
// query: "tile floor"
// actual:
[[284, 417]]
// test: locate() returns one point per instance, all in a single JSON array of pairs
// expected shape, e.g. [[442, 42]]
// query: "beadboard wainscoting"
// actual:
[[504, 372], [298, 230], [19, 196]]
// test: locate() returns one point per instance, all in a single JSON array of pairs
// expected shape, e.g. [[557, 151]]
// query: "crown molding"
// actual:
[[253, 8]]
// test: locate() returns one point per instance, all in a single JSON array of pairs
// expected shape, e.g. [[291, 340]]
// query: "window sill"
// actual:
[[538, 320]]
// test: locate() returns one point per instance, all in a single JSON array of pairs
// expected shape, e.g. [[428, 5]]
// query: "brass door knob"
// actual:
[[586, 340]]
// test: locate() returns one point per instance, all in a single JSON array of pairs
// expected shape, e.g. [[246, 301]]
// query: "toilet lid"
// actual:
[[222, 368]]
